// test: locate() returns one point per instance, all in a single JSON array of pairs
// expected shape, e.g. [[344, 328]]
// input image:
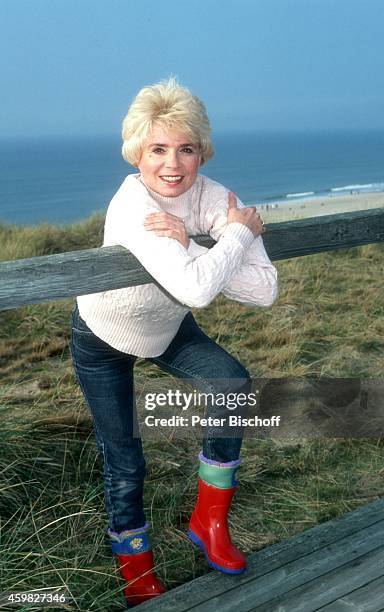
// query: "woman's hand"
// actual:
[[247, 216], [166, 224]]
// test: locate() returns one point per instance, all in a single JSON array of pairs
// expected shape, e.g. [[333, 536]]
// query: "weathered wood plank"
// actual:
[[368, 598], [53, 277], [261, 563], [40, 279], [327, 233], [325, 589], [262, 592]]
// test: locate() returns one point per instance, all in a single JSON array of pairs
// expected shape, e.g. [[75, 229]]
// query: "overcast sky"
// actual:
[[72, 66]]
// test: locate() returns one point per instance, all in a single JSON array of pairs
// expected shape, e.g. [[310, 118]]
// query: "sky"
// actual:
[[72, 67]]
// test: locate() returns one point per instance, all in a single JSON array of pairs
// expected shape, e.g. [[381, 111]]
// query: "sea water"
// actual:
[[63, 180]]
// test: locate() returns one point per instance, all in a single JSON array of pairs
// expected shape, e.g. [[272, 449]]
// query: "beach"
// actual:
[[315, 207]]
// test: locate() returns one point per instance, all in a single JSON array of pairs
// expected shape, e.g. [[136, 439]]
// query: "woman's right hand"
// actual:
[[247, 216]]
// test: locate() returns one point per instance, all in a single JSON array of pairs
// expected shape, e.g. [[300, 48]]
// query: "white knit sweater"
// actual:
[[143, 320]]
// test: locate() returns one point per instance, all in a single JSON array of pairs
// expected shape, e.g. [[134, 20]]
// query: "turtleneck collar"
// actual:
[[179, 205]]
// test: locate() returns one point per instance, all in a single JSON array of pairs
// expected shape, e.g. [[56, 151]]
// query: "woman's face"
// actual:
[[169, 162]]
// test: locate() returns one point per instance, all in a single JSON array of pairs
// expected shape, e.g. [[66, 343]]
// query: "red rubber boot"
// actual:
[[133, 551], [208, 527], [143, 584]]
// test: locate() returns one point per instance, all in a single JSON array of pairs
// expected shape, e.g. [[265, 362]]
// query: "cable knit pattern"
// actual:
[[143, 320]]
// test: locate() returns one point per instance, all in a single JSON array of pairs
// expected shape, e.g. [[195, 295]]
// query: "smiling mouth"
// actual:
[[172, 180]]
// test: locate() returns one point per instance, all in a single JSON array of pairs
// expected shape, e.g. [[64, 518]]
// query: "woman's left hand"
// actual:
[[166, 224]]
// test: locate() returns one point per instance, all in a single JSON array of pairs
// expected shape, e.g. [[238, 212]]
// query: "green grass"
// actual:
[[329, 320]]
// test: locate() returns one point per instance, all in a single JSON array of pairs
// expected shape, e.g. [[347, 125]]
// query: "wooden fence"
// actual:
[[53, 277]]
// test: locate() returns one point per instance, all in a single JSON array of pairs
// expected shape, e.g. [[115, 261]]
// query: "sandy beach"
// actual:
[[302, 208]]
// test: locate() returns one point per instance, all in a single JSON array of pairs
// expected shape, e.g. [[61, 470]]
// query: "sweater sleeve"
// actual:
[[254, 283], [193, 281]]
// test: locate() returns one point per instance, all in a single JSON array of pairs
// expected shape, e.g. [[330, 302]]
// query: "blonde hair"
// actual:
[[169, 105]]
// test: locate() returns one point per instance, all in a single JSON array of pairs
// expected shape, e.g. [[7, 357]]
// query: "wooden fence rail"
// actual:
[[53, 277]]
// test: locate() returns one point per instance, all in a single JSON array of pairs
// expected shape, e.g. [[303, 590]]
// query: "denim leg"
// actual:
[[193, 356], [105, 376]]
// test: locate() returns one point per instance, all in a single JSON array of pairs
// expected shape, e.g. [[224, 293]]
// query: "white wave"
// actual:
[[299, 195], [355, 187]]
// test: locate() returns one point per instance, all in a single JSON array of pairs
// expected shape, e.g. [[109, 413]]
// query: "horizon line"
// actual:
[[216, 132]]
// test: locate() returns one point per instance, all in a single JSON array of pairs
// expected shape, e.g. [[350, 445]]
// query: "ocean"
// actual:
[[63, 180]]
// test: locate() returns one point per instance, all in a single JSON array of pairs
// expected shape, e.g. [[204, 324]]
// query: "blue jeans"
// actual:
[[106, 379]]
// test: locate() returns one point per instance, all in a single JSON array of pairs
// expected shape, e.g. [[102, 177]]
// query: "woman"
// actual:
[[166, 136]]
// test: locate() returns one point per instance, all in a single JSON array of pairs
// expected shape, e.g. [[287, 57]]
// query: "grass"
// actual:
[[328, 321]]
